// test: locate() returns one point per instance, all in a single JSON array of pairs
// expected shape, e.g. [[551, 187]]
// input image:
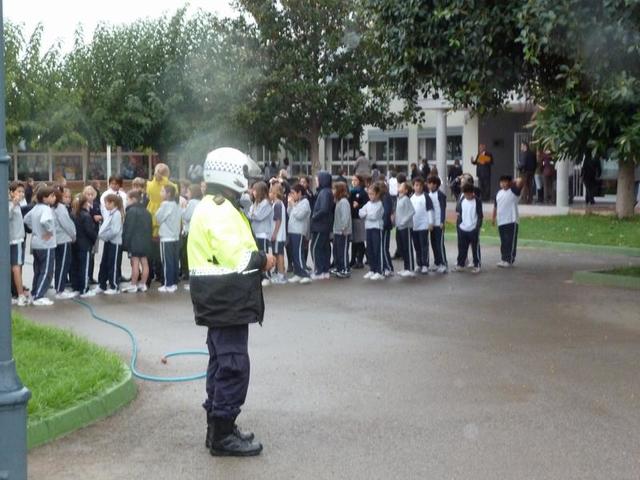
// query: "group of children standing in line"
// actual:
[[65, 233], [361, 219]]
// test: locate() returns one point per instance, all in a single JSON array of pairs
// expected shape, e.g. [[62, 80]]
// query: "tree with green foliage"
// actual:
[[577, 60], [316, 75]]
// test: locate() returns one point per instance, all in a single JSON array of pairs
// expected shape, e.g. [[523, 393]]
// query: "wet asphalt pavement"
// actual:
[[515, 374]]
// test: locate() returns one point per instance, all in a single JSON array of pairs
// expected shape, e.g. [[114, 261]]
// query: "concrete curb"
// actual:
[[83, 414], [606, 280], [569, 247]]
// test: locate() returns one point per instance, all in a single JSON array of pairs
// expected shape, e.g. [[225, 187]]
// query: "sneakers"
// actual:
[[187, 287], [368, 275], [279, 279], [320, 276], [97, 290], [503, 264], [376, 276], [305, 281], [389, 273], [14, 301], [88, 294], [266, 282], [295, 279], [457, 268], [43, 302], [165, 289], [142, 288], [343, 274], [406, 274], [433, 268], [23, 301], [475, 270], [131, 289], [66, 295], [442, 269], [111, 291], [424, 270]]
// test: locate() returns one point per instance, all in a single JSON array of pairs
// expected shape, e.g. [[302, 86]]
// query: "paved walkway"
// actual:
[[506, 375]]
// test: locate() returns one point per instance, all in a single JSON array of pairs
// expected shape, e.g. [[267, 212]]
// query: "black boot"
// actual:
[[247, 436], [225, 442]]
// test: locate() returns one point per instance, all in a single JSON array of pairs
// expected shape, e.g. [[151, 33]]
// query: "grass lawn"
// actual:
[[627, 271], [60, 368], [584, 229]]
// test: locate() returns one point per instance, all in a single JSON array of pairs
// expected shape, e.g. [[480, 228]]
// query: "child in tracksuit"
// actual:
[[194, 196], [260, 215], [422, 224], [82, 250], [42, 224], [65, 237], [169, 217], [505, 211], [404, 226], [298, 228], [279, 232], [439, 202], [321, 227], [16, 240], [387, 226], [469, 210], [111, 234], [373, 213], [342, 229]]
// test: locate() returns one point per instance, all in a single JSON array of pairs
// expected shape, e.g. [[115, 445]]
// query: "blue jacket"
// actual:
[[323, 209], [387, 204]]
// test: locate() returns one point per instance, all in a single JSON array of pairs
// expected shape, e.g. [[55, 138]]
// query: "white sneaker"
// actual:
[[368, 275], [43, 302], [433, 268], [111, 291], [295, 279], [266, 282], [389, 273], [326, 276], [88, 294], [142, 287], [23, 301], [187, 287], [503, 264], [131, 289], [97, 290], [172, 289], [475, 270], [66, 295], [410, 274], [457, 268], [442, 269], [317, 276], [424, 270], [305, 281], [376, 276], [278, 280], [14, 301]]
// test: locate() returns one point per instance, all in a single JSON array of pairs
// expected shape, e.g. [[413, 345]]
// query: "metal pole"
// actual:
[[13, 395]]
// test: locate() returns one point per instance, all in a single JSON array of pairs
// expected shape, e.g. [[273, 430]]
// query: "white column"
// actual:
[[441, 146], [562, 183], [322, 153], [413, 145]]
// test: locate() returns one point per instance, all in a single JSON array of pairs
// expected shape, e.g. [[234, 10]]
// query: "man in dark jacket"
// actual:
[[527, 165], [226, 292], [321, 227]]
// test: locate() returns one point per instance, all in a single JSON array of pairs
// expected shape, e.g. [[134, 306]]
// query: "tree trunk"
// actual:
[[625, 200], [314, 150]]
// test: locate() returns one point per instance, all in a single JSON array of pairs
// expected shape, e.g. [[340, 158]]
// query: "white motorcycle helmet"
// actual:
[[230, 168]]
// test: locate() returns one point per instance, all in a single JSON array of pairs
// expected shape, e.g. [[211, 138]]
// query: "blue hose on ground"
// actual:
[[134, 353]]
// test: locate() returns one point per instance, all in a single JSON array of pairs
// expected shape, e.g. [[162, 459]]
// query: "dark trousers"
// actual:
[[289, 250], [341, 252], [387, 264], [43, 262], [528, 187], [421, 244], [297, 254], [80, 269], [263, 246], [590, 187], [321, 252], [374, 249], [508, 241], [437, 245], [170, 254], [92, 265], [155, 262], [485, 186], [228, 371], [405, 247], [466, 239], [63, 264], [109, 274]]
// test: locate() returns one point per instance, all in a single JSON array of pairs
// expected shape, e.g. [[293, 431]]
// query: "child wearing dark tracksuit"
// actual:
[[469, 210], [65, 237], [298, 228], [321, 227], [422, 224], [505, 213], [373, 213], [260, 214], [82, 250], [110, 233], [42, 223], [387, 226], [404, 226], [342, 230], [439, 202], [169, 217]]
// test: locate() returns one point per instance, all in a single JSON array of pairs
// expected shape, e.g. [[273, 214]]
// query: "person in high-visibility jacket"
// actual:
[[225, 269]]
